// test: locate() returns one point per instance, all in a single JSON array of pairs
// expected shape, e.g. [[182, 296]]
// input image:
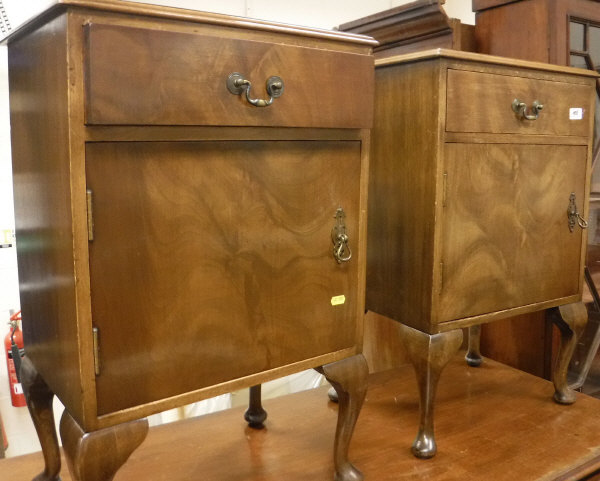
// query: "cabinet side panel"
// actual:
[[517, 30], [402, 193], [41, 170]]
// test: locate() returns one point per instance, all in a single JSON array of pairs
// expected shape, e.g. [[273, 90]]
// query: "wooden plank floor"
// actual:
[[492, 423]]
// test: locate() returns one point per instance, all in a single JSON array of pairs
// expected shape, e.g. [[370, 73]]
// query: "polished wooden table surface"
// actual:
[[492, 423]]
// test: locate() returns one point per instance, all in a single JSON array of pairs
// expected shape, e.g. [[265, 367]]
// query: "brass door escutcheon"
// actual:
[[341, 249], [520, 108], [573, 214], [237, 83]]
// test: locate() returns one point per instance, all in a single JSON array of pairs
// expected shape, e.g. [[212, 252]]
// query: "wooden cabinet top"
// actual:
[[440, 53], [132, 8]]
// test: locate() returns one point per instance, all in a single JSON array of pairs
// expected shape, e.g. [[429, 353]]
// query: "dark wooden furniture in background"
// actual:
[[419, 25], [498, 424], [183, 233], [465, 189], [560, 32]]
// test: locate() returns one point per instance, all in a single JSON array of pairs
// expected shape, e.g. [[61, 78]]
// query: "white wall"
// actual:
[[314, 13]]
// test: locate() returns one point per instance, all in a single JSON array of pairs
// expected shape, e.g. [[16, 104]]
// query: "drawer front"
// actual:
[[212, 261], [506, 241], [139, 76], [482, 103]]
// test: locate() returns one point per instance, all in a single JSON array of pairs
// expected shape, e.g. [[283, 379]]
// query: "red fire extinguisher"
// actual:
[[14, 336]]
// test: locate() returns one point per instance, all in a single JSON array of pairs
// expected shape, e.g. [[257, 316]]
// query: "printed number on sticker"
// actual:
[[575, 113]]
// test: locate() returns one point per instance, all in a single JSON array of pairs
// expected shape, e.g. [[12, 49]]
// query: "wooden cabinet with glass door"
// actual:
[[190, 198]]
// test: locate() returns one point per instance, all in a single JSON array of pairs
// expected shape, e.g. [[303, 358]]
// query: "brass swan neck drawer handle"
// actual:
[[520, 108], [341, 249], [236, 84], [574, 216]]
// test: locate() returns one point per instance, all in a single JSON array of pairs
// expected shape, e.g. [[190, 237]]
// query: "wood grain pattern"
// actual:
[[253, 274], [493, 422], [401, 194], [479, 102], [522, 43], [520, 342], [570, 320], [133, 78], [383, 347], [181, 15], [490, 61], [484, 4], [38, 85], [503, 203], [523, 342], [430, 201], [429, 355], [546, 39], [414, 26], [98, 455], [39, 402], [348, 378], [48, 64]]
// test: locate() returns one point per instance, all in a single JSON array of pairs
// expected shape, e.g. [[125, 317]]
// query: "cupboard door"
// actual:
[[505, 240], [211, 261]]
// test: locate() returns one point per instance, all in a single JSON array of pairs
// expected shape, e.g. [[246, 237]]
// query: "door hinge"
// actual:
[[444, 188], [441, 276], [90, 214], [95, 334]]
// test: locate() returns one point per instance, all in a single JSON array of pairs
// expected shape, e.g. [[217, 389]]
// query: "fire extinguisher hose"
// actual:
[[16, 355], [14, 349]]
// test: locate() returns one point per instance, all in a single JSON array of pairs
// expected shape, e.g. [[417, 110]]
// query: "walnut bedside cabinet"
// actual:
[[190, 197], [478, 192]]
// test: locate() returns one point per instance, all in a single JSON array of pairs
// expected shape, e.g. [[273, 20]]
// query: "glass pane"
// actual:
[[594, 45], [577, 32], [578, 61]]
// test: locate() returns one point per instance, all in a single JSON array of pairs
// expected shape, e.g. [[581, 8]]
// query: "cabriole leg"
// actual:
[[255, 415], [570, 320], [349, 379], [39, 401], [473, 356], [98, 455], [429, 355]]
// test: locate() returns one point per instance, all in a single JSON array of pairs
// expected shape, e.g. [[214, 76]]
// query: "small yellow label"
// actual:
[[338, 300]]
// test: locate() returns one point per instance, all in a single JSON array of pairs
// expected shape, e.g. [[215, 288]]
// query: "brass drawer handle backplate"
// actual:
[[341, 249], [573, 214], [520, 108], [236, 84]]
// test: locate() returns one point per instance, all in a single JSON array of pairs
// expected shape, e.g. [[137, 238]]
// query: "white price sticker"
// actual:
[[575, 113]]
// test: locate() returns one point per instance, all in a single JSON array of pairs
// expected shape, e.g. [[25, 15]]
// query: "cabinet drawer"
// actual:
[[482, 102], [140, 76]]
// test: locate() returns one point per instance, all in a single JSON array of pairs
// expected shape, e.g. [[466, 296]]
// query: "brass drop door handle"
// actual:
[[520, 108], [341, 249], [574, 216], [237, 83]]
